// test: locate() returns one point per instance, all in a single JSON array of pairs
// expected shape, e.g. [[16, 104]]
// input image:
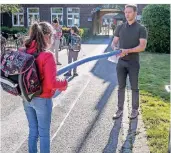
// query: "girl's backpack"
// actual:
[[19, 74], [75, 44]]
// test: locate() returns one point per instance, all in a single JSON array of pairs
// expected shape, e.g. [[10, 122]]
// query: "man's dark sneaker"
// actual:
[[67, 74], [134, 114], [118, 114], [75, 74]]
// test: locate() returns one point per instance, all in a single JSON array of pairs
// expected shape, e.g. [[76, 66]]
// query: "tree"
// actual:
[[156, 19], [10, 8]]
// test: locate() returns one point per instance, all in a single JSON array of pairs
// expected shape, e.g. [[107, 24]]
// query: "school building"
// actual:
[[83, 15]]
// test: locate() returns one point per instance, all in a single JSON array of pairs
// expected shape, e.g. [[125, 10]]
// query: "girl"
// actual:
[[74, 48], [39, 110], [57, 35]]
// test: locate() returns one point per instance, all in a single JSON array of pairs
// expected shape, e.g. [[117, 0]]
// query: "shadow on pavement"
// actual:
[[127, 146], [130, 139], [99, 107], [105, 70], [111, 146], [101, 40], [94, 40]]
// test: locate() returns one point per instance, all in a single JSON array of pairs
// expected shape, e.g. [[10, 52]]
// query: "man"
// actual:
[[132, 38], [57, 37]]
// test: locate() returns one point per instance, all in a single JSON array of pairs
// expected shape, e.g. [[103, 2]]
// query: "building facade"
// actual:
[[82, 15]]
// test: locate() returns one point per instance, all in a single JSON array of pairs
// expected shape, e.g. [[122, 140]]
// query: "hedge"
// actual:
[[156, 19], [83, 32], [14, 30]]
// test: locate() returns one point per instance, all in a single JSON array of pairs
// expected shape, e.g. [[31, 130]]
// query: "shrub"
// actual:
[[14, 30], [66, 30], [86, 32], [5, 29], [83, 32], [156, 19]]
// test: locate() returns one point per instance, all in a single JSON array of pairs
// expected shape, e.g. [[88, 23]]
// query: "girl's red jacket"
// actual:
[[47, 71]]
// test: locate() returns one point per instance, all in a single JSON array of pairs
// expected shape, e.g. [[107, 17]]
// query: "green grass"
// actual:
[[155, 101]]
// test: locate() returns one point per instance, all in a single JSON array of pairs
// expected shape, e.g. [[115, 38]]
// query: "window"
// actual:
[[18, 18], [57, 12], [73, 17], [32, 15]]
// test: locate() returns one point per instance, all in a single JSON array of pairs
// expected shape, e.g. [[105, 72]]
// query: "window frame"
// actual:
[[18, 22], [57, 14], [73, 15], [32, 14]]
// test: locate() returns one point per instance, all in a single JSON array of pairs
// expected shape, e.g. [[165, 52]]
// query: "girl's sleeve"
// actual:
[[50, 73]]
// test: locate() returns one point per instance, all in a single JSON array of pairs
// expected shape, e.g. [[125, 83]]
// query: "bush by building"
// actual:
[[156, 19], [83, 32]]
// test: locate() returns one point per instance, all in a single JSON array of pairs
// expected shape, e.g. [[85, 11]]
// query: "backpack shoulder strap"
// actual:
[[36, 54]]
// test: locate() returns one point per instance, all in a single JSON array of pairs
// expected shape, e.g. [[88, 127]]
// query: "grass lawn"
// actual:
[[155, 101]]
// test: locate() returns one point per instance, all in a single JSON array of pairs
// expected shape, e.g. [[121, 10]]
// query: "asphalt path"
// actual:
[[82, 115]]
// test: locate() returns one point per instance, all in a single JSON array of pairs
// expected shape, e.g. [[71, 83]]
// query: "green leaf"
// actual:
[[13, 8]]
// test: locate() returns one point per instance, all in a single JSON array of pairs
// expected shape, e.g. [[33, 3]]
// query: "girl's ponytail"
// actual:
[[36, 34]]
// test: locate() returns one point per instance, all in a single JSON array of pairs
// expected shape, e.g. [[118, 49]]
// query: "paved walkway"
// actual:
[[82, 115]]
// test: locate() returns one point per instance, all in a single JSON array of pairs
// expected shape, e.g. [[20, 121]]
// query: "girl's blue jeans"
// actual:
[[38, 113]]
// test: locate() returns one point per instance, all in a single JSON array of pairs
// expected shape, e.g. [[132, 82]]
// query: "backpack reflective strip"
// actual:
[[8, 83]]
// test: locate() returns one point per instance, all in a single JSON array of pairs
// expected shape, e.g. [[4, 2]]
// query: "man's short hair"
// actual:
[[132, 6]]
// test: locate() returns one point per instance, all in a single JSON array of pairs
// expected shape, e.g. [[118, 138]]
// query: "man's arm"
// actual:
[[115, 42], [116, 38]]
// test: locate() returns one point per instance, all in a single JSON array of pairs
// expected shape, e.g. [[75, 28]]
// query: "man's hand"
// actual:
[[124, 52]]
